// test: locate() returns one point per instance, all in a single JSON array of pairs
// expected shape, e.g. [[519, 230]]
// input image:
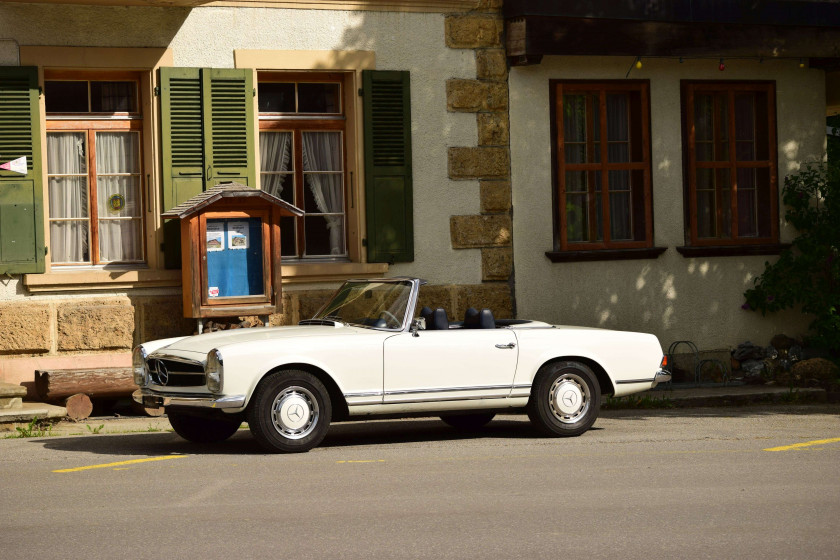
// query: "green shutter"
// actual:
[[182, 136], [22, 247], [207, 137], [388, 185], [229, 130]]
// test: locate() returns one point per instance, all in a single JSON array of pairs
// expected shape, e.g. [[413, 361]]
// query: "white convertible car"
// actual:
[[365, 354]]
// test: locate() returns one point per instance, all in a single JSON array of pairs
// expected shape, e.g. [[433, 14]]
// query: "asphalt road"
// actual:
[[705, 483]]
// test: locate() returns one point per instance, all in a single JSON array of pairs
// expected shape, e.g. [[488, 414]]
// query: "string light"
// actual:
[[801, 63], [638, 63], [721, 66]]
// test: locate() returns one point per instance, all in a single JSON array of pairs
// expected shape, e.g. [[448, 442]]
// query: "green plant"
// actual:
[[95, 430], [807, 274], [35, 428], [637, 402]]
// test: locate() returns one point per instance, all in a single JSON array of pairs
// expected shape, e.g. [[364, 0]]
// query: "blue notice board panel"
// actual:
[[234, 257]]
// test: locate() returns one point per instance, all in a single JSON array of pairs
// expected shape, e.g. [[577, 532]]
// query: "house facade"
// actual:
[[547, 160], [650, 143], [385, 121]]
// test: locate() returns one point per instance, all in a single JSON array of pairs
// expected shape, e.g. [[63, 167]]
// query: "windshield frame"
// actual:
[[412, 283]]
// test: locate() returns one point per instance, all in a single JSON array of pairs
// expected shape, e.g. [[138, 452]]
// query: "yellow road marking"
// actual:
[[121, 463], [368, 461], [805, 444]]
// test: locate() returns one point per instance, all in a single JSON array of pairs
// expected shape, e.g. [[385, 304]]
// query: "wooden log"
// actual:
[[57, 384], [79, 406]]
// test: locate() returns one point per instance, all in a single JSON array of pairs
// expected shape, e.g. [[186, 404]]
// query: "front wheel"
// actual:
[[290, 412], [565, 399], [203, 429]]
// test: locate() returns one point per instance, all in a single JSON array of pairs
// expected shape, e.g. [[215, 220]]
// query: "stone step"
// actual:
[[9, 390], [28, 411], [9, 403]]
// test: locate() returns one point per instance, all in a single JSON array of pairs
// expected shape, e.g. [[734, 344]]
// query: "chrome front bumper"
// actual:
[[662, 376], [149, 398]]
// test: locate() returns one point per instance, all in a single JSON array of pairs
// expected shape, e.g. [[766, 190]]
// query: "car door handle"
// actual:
[[507, 346]]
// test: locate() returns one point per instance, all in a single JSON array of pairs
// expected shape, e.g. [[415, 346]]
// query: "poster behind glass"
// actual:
[[234, 257]]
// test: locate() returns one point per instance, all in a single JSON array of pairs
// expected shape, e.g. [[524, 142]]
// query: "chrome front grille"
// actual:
[[167, 371]]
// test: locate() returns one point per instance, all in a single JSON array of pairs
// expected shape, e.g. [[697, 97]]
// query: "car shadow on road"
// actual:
[[348, 434], [744, 411]]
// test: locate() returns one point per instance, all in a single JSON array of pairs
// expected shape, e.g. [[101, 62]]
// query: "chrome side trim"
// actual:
[[153, 399], [631, 381], [446, 390], [446, 399]]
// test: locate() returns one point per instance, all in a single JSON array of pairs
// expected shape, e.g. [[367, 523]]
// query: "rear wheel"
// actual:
[[468, 422], [203, 429], [565, 399], [290, 412]]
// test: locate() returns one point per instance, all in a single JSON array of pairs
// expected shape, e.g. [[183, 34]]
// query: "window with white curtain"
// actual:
[[302, 155], [94, 171]]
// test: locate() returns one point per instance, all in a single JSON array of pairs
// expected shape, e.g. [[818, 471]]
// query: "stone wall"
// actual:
[[489, 160]]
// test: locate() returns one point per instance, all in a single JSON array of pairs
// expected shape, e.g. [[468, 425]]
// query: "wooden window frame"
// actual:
[[90, 124], [734, 245], [605, 249], [297, 124]]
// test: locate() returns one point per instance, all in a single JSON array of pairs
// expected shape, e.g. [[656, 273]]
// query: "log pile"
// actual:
[[74, 388]]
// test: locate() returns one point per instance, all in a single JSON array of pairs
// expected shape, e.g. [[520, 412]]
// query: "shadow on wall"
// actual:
[[106, 26], [678, 299]]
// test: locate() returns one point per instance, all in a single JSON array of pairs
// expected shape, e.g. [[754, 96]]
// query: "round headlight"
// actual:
[[214, 371], [138, 363]]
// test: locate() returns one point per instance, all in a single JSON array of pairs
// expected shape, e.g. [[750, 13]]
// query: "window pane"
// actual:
[[618, 130], [747, 211], [621, 209], [577, 224], [323, 192], [711, 128], [119, 240], [66, 153], [276, 165], [65, 97], [324, 235], [288, 237], [276, 97], [763, 194], [714, 211], [745, 127], [69, 242], [113, 97], [319, 98], [575, 181], [119, 197], [117, 152], [67, 172]]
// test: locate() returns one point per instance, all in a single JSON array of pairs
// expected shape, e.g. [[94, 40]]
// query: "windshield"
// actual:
[[369, 304]]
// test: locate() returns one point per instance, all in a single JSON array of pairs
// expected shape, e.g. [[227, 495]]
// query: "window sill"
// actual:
[[605, 255], [301, 273], [86, 280], [77, 280], [733, 250]]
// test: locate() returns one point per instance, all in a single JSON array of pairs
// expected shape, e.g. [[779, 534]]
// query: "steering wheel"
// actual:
[[390, 317]]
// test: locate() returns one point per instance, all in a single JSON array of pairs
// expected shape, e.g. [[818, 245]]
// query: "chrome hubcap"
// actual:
[[294, 412], [569, 398]]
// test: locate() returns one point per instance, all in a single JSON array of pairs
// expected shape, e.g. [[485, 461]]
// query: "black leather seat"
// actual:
[[426, 314], [439, 322], [479, 319], [486, 320], [471, 316]]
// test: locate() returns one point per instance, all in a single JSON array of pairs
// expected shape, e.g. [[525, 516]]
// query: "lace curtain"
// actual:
[[323, 175]]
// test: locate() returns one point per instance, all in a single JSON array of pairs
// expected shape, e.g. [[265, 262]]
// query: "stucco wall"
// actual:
[[674, 297]]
